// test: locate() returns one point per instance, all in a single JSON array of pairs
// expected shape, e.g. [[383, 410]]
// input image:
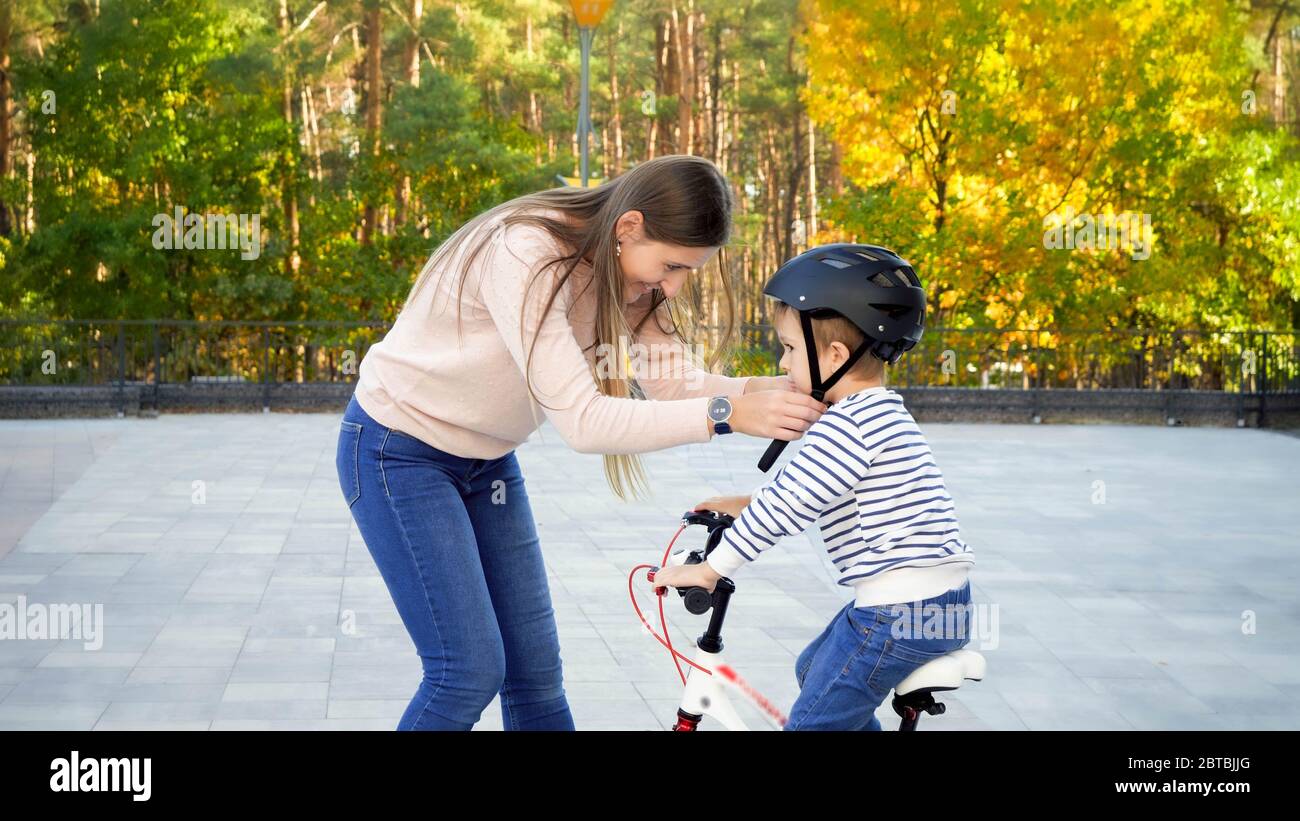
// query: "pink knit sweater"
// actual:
[[468, 397]]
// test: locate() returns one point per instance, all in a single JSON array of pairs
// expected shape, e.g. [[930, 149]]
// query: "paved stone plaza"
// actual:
[[1142, 577]]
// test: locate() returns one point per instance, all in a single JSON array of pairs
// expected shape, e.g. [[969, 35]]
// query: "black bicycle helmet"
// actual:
[[872, 287]]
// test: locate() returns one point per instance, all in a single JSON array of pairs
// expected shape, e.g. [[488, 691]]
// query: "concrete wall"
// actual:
[[1115, 406], [934, 404]]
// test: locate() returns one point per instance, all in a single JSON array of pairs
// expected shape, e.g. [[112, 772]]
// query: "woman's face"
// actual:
[[648, 264]]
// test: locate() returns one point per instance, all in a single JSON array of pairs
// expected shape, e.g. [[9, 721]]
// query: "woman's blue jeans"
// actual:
[[849, 670], [455, 542]]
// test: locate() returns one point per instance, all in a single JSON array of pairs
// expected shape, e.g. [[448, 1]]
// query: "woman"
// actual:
[[557, 291]]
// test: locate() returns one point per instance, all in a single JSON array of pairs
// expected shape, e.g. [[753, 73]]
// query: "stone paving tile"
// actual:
[[1134, 586]]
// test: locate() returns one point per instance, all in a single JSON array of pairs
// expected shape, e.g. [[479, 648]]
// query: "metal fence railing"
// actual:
[[153, 353], [1235, 361]]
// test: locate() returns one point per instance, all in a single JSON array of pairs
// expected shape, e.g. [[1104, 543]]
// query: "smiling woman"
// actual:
[[561, 263], [426, 460], [649, 266]]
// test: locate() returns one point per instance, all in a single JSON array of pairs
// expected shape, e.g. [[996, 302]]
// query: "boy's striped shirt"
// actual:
[[866, 477]]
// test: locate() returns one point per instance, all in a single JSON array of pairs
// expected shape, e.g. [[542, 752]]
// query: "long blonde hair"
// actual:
[[685, 200]]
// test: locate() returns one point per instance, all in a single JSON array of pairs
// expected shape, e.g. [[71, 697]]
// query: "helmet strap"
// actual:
[[814, 371]]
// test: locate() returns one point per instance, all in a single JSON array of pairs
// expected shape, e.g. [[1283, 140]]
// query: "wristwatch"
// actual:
[[720, 412]]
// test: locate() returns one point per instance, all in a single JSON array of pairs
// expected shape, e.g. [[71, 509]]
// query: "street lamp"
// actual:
[[589, 14]]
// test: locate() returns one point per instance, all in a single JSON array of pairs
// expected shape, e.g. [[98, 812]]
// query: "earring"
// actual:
[[618, 248]]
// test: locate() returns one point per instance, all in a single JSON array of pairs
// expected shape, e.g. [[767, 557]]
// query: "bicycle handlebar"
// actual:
[[715, 520], [697, 599]]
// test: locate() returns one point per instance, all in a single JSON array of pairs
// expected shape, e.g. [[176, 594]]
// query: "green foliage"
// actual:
[[178, 103], [959, 127], [967, 125]]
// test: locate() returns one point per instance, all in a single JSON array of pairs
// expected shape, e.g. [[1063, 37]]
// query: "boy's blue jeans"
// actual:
[[849, 670], [455, 542]]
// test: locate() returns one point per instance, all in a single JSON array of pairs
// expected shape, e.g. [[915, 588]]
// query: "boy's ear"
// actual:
[[845, 350], [842, 350]]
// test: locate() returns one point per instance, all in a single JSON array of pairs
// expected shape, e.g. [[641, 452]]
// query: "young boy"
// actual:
[[866, 478]]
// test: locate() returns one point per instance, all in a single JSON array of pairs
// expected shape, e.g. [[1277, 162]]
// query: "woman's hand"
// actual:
[[686, 575], [774, 414], [769, 383], [731, 505]]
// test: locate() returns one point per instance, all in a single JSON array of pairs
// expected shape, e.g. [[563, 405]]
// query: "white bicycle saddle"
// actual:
[[944, 673]]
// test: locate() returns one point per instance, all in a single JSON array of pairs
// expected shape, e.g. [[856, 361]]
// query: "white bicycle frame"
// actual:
[[706, 694]]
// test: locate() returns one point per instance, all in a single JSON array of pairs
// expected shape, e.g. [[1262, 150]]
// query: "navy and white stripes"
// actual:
[[866, 477]]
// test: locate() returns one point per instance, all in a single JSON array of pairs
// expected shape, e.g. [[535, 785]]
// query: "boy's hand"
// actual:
[[686, 575], [731, 505], [769, 383]]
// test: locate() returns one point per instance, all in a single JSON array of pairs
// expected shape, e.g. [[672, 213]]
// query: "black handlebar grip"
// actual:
[[697, 600], [773, 451]]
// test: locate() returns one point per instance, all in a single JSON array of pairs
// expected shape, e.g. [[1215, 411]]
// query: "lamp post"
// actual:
[[589, 14]]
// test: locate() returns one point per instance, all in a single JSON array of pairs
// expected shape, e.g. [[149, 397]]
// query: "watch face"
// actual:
[[720, 409]]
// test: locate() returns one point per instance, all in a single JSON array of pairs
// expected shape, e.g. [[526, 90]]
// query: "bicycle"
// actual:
[[705, 693]]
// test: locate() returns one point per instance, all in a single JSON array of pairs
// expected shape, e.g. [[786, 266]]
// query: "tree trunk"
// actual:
[[6, 111], [616, 107], [1279, 85], [312, 120], [665, 79], [534, 108], [812, 182], [835, 176], [411, 52], [794, 186], [288, 193], [735, 113], [715, 91], [684, 50], [795, 179], [374, 77], [411, 64]]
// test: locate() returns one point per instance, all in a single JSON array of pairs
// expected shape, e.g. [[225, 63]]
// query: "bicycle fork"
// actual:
[[705, 696]]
